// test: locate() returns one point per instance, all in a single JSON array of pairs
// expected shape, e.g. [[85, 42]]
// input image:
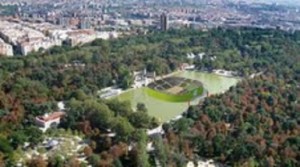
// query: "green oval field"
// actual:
[[175, 98]]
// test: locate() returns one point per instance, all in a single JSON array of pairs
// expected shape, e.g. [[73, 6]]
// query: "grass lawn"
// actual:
[[190, 95]]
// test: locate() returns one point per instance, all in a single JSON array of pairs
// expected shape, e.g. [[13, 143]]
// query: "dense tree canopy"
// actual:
[[255, 123]]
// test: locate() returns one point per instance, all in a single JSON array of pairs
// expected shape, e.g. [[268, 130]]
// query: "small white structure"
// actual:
[[178, 117], [201, 55], [225, 73], [202, 163], [190, 67], [186, 66], [49, 120], [154, 131], [190, 56], [190, 164], [52, 143], [150, 147], [213, 58], [109, 92], [255, 75], [207, 163], [111, 135], [61, 106]]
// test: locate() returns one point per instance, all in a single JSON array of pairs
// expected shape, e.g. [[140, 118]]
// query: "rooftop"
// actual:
[[50, 117]]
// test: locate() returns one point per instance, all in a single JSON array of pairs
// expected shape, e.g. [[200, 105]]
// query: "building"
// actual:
[[63, 21], [79, 37], [109, 92], [143, 78], [35, 45], [5, 49], [27, 37], [186, 66], [192, 56], [84, 23], [164, 25], [49, 120]]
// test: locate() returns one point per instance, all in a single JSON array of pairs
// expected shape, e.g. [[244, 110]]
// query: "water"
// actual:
[[165, 111]]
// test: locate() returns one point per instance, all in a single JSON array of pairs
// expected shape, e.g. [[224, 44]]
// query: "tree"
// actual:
[[37, 162], [122, 127], [36, 135], [120, 108], [182, 125], [18, 138], [2, 162], [73, 162], [79, 94], [125, 79], [98, 114], [94, 160], [192, 112], [142, 155], [270, 101], [218, 144], [56, 161], [179, 159], [140, 120], [141, 107], [166, 127], [117, 163], [87, 151], [292, 97], [5, 146], [161, 151]]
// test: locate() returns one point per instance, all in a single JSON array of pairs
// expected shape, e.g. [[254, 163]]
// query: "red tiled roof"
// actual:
[[51, 116]]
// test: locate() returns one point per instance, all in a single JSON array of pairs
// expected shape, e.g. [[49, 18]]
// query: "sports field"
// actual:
[[175, 89]]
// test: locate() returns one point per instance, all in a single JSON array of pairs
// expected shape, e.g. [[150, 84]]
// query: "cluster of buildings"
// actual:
[[85, 36], [234, 15], [56, 18], [18, 35], [135, 17], [5, 48], [143, 78], [21, 37], [25, 39]]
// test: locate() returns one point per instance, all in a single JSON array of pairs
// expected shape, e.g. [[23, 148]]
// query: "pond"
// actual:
[[166, 111]]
